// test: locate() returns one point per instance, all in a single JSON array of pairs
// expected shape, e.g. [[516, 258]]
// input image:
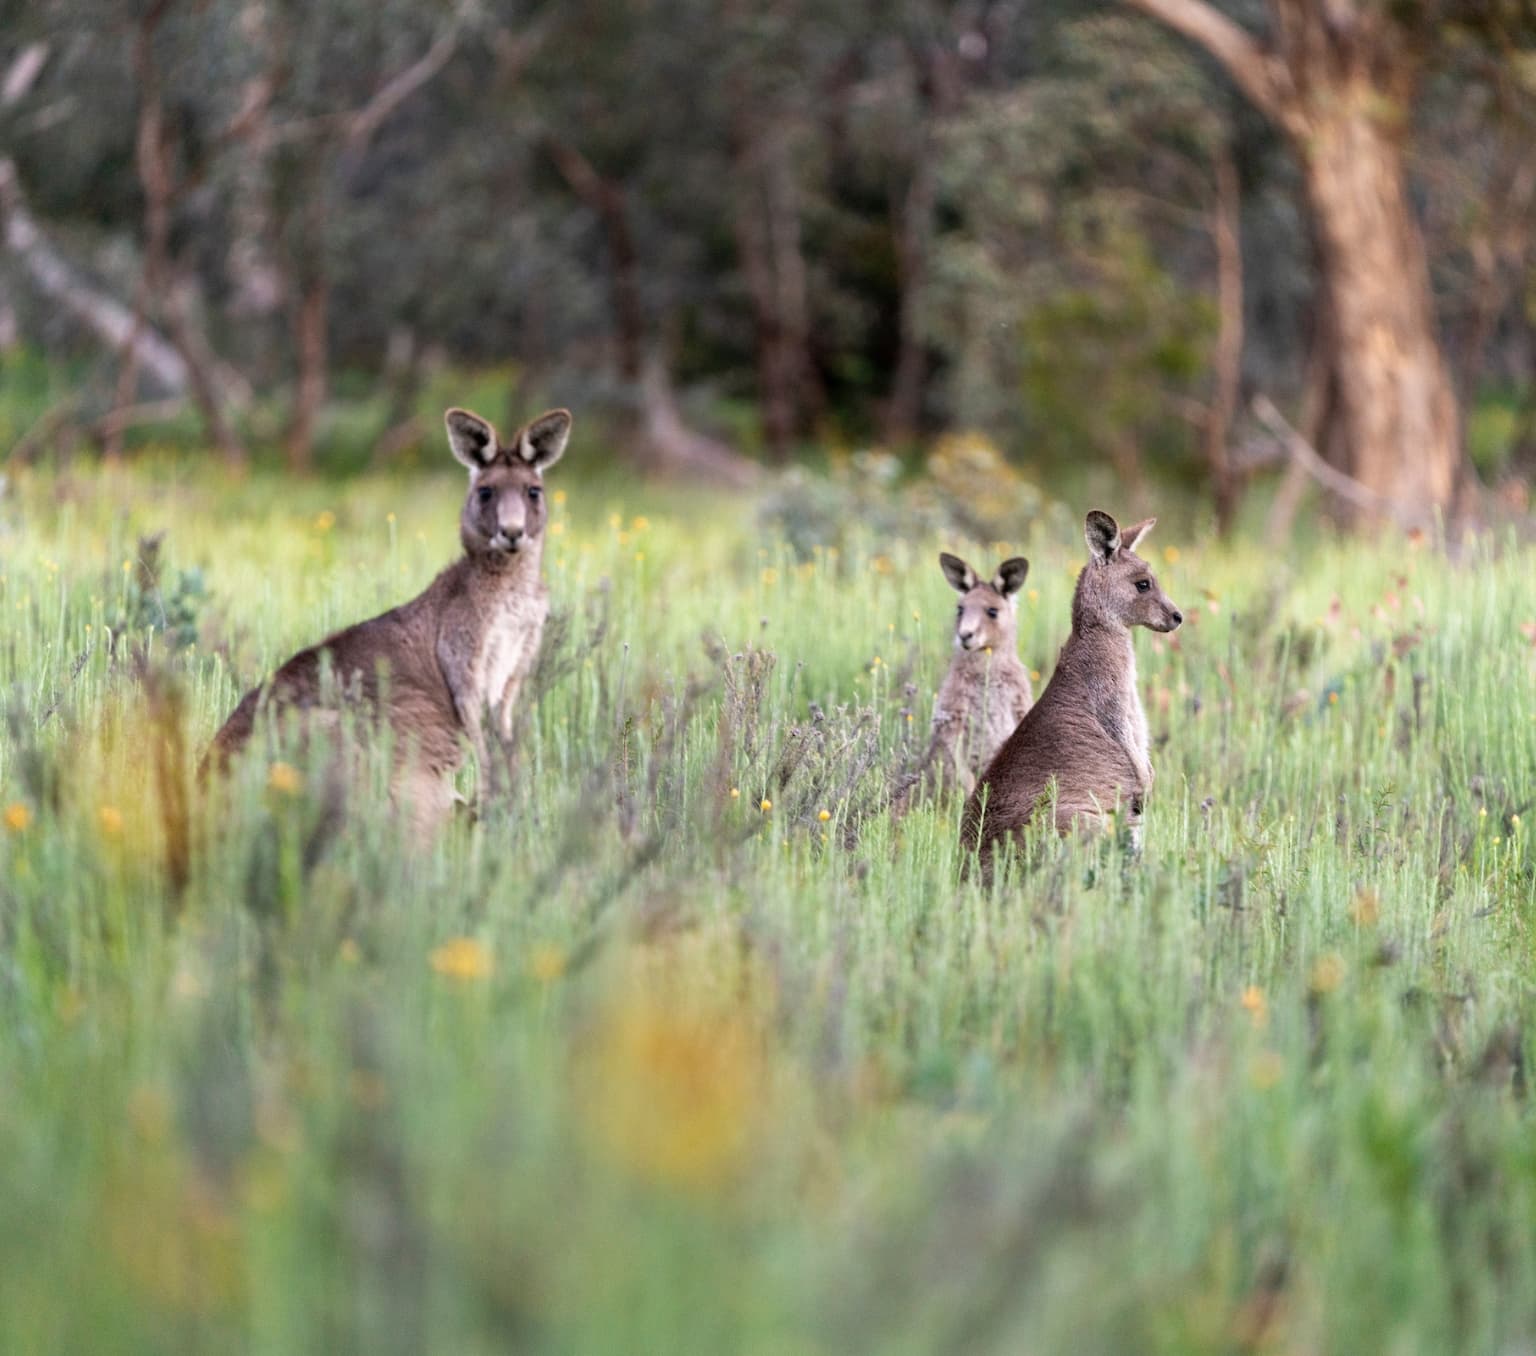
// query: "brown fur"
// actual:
[[431, 668], [986, 691], [1088, 732]]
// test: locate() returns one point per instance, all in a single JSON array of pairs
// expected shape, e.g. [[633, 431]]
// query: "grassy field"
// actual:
[[684, 1047]]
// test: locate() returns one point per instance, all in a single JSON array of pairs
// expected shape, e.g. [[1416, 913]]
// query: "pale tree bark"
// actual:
[[104, 315], [1339, 79]]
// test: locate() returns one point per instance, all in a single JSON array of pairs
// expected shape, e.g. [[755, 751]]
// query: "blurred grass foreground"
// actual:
[[684, 1046]]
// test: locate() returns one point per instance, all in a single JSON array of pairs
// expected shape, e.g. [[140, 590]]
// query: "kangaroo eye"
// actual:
[[1142, 585], [992, 612], [485, 494], [535, 493], [960, 611]]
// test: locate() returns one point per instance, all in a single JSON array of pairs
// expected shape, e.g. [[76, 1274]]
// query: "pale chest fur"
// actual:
[[509, 645], [978, 707], [1126, 720]]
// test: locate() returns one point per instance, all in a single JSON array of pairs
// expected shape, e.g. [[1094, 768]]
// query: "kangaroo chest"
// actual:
[[979, 706], [509, 643]]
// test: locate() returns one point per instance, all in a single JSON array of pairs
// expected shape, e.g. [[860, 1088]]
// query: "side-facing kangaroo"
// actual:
[[1088, 731], [436, 667], [986, 692]]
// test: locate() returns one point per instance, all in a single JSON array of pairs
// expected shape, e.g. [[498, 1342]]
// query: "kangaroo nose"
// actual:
[[1178, 617]]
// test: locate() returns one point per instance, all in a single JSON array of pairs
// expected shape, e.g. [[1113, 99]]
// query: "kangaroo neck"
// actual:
[[499, 571], [1100, 649]]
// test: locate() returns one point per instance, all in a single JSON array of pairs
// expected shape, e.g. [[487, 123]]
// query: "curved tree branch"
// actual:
[[1258, 74]]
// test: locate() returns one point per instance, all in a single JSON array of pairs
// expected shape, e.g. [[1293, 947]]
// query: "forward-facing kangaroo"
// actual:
[[436, 667], [986, 692], [1088, 731]]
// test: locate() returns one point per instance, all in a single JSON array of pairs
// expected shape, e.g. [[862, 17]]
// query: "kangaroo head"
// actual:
[[986, 618], [504, 510], [1117, 587]]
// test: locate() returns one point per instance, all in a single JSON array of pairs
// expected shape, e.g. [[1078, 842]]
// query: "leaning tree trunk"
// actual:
[[1395, 394], [1340, 80]]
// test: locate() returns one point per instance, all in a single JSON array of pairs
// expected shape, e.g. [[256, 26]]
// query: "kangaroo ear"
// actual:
[[962, 578], [1011, 575], [1102, 534], [542, 442], [1129, 536], [472, 438]]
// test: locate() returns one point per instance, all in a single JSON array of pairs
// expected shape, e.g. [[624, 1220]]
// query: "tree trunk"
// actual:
[[768, 248], [1228, 360], [914, 240], [606, 198], [309, 333], [1340, 80], [1395, 396]]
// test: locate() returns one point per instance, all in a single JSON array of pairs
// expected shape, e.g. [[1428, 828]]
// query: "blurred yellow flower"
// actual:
[[824, 815], [349, 952], [285, 779], [18, 819], [325, 521], [546, 963], [1365, 908], [463, 959], [766, 805], [641, 523], [673, 1095], [1171, 555], [1256, 1006], [558, 496], [1328, 973], [111, 820], [770, 575]]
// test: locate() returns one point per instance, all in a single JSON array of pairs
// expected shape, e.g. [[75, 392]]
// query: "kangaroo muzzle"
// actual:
[[511, 523]]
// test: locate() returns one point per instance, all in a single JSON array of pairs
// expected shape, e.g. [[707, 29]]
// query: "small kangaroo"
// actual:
[[1088, 731], [433, 667], [986, 692]]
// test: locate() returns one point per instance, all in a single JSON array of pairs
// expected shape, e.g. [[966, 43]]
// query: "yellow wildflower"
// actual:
[[325, 521], [463, 959], [110, 819], [285, 779], [824, 815], [1256, 1006], [1328, 973], [18, 818], [766, 805], [1366, 907]]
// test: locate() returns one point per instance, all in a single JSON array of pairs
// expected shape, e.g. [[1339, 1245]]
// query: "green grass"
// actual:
[[633, 1065]]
